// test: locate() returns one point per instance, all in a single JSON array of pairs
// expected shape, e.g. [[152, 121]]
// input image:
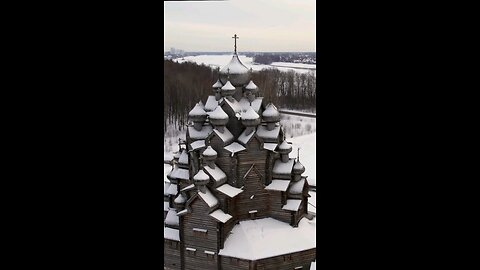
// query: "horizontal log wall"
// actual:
[[288, 262], [276, 205], [171, 254], [260, 201], [229, 263]]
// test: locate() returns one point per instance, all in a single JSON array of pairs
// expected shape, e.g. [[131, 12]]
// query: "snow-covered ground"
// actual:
[[221, 60], [308, 154], [295, 126]]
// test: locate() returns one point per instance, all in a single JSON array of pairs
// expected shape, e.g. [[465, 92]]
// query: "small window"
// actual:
[[210, 254], [191, 251]]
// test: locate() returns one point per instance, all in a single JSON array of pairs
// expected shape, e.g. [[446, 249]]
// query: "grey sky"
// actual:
[[262, 25]]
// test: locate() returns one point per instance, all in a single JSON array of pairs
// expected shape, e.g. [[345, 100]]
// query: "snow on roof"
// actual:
[[251, 86], [298, 166], [165, 188], [285, 146], [297, 187], [201, 176], [292, 205], [256, 104], [211, 104], [264, 238], [197, 111], [166, 206], [263, 132], [250, 114], [184, 211], [209, 152], [218, 84], [183, 159], [218, 113], [245, 138], [283, 168], [199, 135], [197, 144], [235, 66], [180, 173], [229, 190], [220, 216], [226, 136], [172, 218], [228, 86], [270, 111], [234, 104], [279, 185], [234, 147], [172, 189], [217, 173], [171, 234], [187, 188], [270, 146], [208, 197], [180, 199]]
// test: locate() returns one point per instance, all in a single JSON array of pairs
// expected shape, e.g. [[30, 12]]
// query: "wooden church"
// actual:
[[234, 198]]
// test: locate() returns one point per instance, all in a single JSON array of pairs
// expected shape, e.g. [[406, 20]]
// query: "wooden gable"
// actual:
[[253, 202]]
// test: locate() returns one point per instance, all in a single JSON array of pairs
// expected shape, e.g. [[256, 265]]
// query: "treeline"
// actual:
[[187, 83], [268, 58]]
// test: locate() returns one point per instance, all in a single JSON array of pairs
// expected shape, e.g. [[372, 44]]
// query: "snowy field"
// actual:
[[221, 60]]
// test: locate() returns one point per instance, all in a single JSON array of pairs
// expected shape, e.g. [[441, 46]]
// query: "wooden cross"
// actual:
[[235, 47]]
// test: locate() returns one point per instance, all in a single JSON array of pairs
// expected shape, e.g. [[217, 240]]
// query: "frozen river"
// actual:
[[222, 60]]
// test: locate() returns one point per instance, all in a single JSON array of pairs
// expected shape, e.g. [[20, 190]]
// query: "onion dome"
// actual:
[[236, 72], [217, 85], [183, 159], [271, 114], [298, 168], [179, 202], [284, 148], [201, 178], [252, 87], [218, 117], [228, 89], [198, 114], [250, 117], [209, 154]]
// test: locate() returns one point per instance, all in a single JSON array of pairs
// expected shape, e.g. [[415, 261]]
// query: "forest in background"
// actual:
[[185, 84]]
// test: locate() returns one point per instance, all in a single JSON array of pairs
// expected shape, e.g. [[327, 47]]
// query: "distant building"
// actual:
[[234, 198]]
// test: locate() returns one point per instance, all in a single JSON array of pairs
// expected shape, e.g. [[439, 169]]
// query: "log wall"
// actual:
[[171, 254]]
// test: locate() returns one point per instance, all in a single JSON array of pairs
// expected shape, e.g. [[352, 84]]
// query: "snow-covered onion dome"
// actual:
[[217, 89], [183, 159], [297, 171], [198, 116], [217, 85], [236, 72], [200, 180], [250, 91], [209, 155], [284, 149], [218, 118], [296, 188], [179, 202], [227, 90], [271, 116], [250, 119]]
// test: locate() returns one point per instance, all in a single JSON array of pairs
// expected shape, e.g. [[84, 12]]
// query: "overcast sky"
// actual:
[[262, 25]]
